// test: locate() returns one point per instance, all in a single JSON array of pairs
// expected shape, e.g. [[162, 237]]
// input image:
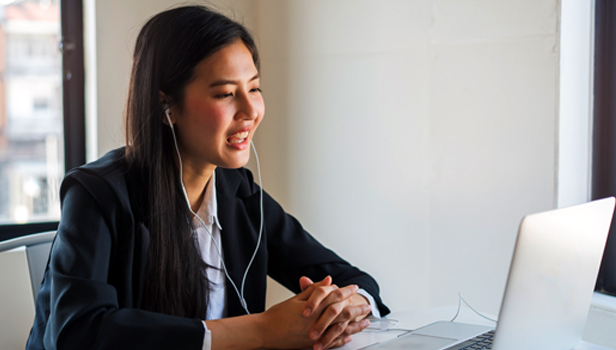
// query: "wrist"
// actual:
[[241, 332], [262, 332]]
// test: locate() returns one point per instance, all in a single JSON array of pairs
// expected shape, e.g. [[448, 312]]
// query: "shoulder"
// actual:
[[235, 182], [99, 190], [113, 161], [105, 180]]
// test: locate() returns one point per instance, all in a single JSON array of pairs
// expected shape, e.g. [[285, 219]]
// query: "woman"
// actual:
[[167, 243]]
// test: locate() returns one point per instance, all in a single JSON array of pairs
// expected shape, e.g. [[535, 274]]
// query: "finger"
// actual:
[[345, 336], [325, 292], [338, 311], [353, 313], [341, 294], [331, 293], [329, 336], [355, 327], [316, 298], [305, 294], [327, 280], [340, 341], [305, 282]]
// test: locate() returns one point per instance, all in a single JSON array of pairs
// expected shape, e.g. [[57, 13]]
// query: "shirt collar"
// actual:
[[208, 211]]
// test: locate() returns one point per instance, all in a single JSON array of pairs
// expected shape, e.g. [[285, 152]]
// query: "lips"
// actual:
[[238, 137]]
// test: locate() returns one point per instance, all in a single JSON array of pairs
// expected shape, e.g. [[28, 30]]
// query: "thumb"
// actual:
[[309, 288], [305, 282]]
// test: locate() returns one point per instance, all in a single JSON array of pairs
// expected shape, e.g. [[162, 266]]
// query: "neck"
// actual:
[[195, 180]]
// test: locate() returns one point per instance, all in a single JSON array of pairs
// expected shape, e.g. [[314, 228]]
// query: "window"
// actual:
[[604, 133], [41, 109]]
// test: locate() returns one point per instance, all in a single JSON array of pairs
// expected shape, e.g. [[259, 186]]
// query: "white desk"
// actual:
[[416, 319]]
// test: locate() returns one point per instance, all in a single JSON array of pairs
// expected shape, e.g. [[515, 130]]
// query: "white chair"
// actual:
[[22, 265]]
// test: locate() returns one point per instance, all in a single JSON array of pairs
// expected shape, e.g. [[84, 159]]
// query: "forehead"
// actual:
[[232, 62]]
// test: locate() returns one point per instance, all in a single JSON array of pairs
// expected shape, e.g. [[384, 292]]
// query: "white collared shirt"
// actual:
[[212, 255]]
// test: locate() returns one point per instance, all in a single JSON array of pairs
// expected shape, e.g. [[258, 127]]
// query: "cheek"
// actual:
[[261, 107], [206, 117]]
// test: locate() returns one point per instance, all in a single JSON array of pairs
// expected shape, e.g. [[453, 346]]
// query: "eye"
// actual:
[[223, 96], [256, 90]]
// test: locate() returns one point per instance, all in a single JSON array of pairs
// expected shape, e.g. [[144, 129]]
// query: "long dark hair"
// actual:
[[168, 48]]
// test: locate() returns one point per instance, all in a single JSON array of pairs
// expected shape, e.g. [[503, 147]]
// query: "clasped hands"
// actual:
[[322, 316]]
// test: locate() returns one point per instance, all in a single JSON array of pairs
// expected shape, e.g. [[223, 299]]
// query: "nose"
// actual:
[[248, 108]]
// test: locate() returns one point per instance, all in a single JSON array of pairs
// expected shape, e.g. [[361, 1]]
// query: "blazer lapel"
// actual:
[[232, 252], [239, 239]]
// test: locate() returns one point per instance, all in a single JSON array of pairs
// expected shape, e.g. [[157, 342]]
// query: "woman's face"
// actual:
[[221, 110]]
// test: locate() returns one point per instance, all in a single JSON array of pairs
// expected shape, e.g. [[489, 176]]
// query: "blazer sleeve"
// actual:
[[293, 253], [84, 311]]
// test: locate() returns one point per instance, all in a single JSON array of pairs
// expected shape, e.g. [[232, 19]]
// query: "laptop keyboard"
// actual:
[[483, 341]]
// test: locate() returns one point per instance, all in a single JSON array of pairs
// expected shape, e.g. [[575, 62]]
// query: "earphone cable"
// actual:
[[460, 300], [216, 244], [260, 225]]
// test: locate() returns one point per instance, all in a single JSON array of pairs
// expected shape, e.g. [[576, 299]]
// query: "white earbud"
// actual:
[[167, 112]]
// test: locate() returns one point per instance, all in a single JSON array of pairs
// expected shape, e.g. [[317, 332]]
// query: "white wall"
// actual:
[[409, 136], [492, 149], [116, 25], [414, 134]]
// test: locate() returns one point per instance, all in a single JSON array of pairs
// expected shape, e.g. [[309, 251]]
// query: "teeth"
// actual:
[[238, 137]]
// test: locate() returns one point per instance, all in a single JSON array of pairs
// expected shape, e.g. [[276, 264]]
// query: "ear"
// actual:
[[164, 101]]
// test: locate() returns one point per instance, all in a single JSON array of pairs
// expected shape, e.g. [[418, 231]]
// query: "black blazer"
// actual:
[[91, 294]]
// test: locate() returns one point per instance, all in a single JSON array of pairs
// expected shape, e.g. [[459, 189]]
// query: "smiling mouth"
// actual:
[[238, 137]]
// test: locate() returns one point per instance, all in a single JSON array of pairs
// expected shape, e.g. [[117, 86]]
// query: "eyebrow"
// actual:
[[231, 82]]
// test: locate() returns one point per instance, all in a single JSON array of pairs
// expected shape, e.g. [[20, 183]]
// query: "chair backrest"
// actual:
[[22, 266]]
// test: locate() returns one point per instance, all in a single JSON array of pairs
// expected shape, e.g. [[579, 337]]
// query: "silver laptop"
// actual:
[[549, 288]]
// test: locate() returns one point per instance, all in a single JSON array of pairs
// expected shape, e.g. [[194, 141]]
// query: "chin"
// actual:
[[235, 163]]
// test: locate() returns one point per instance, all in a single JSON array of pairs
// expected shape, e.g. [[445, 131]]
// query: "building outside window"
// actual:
[[31, 112]]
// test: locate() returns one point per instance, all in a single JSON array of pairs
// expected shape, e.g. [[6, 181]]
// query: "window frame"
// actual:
[[71, 18], [73, 96], [604, 131]]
